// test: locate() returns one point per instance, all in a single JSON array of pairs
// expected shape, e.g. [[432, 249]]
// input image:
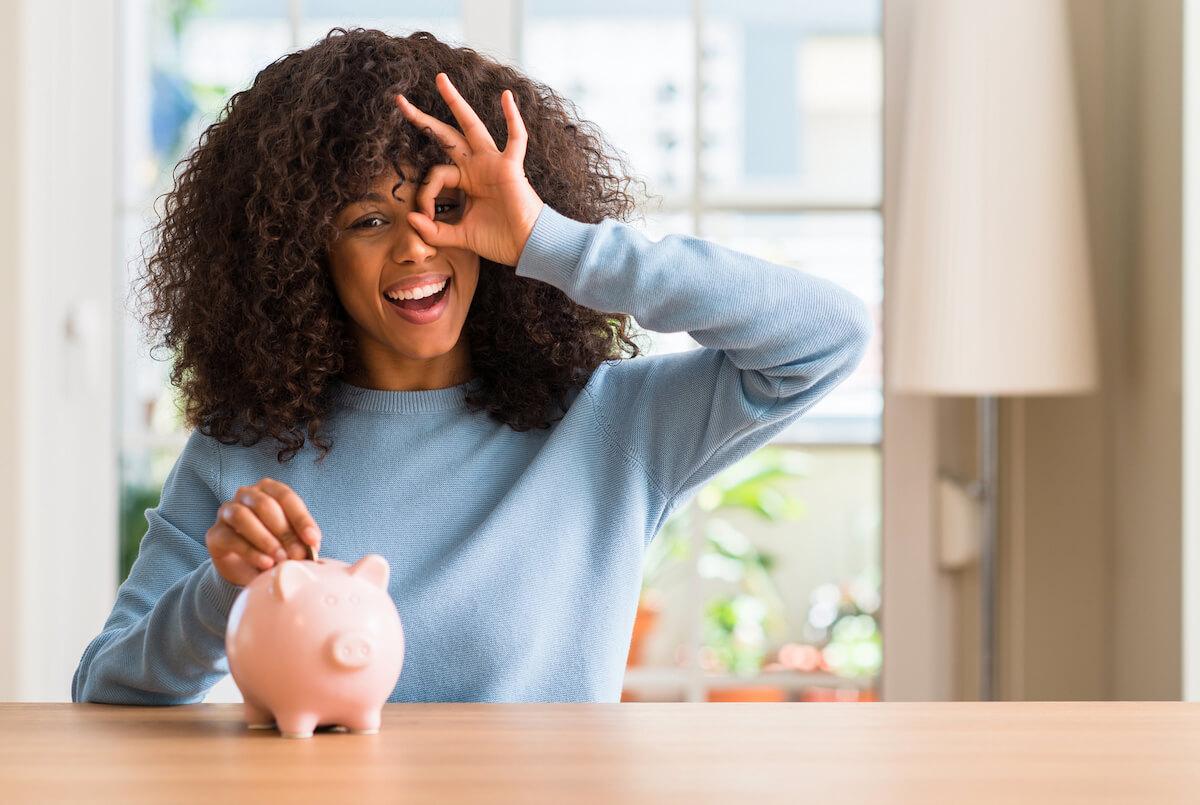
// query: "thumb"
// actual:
[[435, 233]]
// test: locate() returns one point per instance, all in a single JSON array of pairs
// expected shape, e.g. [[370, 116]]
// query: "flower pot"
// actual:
[[747, 693], [648, 613]]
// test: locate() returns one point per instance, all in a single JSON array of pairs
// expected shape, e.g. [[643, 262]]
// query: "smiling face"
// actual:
[[407, 301]]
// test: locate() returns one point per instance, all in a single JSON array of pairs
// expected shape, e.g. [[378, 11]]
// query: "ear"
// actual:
[[372, 568], [290, 576]]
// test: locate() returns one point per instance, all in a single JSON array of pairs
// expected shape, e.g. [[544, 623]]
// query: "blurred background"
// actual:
[[834, 565]]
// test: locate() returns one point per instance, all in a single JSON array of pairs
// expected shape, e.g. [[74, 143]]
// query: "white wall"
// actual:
[[1107, 489], [918, 616], [10, 256], [57, 488], [1191, 351], [1147, 594]]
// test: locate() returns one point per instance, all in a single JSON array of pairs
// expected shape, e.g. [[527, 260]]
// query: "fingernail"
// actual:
[[281, 555], [312, 536]]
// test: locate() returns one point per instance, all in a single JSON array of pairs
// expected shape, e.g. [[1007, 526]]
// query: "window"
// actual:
[[778, 155], [757, 125]]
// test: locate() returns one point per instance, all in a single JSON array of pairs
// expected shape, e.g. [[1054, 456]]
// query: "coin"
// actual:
[[311, 550]]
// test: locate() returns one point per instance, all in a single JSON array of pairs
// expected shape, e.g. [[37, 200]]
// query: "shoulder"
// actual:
[[620, 381]]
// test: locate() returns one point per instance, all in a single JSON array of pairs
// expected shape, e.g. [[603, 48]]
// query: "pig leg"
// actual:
[[366, 723], [297, 724], [257, 717]]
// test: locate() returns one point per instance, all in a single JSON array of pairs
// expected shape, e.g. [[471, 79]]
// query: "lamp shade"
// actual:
[[991, 287]]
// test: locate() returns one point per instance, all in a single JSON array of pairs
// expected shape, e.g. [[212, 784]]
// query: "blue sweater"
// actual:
[[516, 557]]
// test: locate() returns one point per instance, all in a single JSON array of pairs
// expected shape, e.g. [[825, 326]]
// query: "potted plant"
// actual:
[[737, 623], [670, 546]]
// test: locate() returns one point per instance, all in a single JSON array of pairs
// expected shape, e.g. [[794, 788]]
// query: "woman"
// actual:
[[395, 337]]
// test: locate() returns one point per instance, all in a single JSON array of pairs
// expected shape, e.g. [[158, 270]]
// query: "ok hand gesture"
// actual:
[[501, 207]]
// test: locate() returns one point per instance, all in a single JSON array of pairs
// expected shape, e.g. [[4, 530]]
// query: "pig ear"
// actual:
[[290, 577], [372, 568]]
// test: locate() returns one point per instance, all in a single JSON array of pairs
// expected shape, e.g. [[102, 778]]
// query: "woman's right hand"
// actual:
[[263, 524]]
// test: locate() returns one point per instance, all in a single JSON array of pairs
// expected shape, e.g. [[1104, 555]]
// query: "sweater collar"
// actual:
[[402, 402]]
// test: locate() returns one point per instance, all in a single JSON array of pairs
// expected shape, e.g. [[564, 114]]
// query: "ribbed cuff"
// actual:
[[555, 249], [217, 590]]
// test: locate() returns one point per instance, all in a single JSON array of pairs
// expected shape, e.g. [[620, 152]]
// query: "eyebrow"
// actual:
[[372, 196], [376, 197]]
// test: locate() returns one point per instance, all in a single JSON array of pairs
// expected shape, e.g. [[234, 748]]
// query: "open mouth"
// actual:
[[425, 310], [424, 303]]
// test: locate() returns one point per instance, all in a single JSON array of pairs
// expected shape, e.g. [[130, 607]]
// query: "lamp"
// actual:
[[992, 294]]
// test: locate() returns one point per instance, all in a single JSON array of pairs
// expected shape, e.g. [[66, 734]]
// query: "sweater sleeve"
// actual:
[[775, 340], [164, 642]]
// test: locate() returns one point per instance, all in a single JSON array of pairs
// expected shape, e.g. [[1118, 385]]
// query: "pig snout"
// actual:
[[351, 650]]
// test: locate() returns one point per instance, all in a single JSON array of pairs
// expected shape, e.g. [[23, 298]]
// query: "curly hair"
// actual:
[[238, 285]]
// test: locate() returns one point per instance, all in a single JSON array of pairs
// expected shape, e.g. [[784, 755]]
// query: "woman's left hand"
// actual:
[[500, 207]]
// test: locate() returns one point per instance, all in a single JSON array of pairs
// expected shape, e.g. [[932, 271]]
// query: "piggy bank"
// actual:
[[315, 643]]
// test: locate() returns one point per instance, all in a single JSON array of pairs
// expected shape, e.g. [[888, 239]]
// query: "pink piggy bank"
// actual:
[[315, 643]]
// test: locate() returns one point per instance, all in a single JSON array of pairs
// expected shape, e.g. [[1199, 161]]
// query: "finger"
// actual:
[[223, 546], [450, 138], [235, 569], [266, 507], [245, 522], [439, 178], [297, 513], [518, 137], [270, 512], [478, 137], [223, 539], [437, 233]]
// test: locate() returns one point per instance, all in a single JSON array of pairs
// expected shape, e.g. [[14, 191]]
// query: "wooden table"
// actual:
[[1028, 753]]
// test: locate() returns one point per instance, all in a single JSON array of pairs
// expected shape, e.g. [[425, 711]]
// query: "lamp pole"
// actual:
[[989, 470], [992, 291]]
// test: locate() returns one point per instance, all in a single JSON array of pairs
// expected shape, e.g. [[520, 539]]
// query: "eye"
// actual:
[[445, 207], [370, 222]]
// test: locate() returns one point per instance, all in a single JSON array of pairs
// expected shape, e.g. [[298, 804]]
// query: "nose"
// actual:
[[408, 247], [351, 650]]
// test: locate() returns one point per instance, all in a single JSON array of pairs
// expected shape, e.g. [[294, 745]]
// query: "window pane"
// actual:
[[792, 101], [644, 103], [846, 248], [142, 378], [180, 63], [224, 43], [794, 595], [144, 470], [396, 17]]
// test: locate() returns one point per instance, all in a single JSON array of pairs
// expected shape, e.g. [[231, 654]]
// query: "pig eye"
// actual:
[[331, 600], [353, 599]]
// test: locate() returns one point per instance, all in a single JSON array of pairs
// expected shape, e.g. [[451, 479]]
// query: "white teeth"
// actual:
[[421, 292]]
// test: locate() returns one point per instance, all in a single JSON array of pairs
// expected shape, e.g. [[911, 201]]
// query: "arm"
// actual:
[[164, 642], [776, 341]]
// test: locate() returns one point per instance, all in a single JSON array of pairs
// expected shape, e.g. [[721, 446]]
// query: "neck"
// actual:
[[401, 373]]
